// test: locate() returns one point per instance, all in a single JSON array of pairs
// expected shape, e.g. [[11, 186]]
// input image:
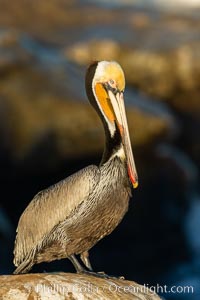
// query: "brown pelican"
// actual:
[[70, 217]]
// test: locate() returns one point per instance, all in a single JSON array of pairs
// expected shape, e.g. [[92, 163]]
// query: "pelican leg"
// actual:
[[85, 259], [77, 265], [81, 269]]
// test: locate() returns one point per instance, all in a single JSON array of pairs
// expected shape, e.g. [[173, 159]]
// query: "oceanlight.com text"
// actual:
[[114, 288]]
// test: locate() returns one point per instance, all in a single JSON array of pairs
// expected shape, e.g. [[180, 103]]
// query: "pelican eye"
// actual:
[[111, 86], [112, 83]]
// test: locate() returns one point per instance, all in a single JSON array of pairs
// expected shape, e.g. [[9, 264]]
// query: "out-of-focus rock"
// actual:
[[140, 20], [105, 49], [159, 51], [72, 128], [38, 108], [12, 55], [172, 75]]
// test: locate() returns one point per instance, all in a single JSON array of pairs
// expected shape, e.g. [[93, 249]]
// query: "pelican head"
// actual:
[[105, 84]]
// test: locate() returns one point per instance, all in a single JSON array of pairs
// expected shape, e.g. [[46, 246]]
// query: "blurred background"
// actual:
[[48, 129]]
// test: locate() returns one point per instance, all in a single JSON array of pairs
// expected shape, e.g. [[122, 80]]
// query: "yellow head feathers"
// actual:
[[110, 70]]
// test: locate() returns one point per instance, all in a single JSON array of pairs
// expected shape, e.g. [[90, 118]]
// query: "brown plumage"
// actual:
[[70, 217]]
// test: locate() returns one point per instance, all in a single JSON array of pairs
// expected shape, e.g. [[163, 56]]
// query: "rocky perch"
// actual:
[[57, 286]]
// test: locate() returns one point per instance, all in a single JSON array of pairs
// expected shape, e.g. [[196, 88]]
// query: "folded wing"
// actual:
[[50, 207]]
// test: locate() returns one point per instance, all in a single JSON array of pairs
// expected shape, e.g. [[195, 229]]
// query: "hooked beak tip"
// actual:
[[135, 184], [133, 178]]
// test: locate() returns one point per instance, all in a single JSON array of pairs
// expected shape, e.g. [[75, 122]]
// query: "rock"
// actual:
[[12, 54], [83, 53], [168, 75], [72, 128], [163, 68], [43, 103], [62, 286], [171, 75]]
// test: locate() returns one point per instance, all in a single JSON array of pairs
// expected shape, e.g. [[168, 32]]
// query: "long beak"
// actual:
[[120, 113]]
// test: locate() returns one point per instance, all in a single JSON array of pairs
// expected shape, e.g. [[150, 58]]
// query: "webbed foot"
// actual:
[[101, 275]]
